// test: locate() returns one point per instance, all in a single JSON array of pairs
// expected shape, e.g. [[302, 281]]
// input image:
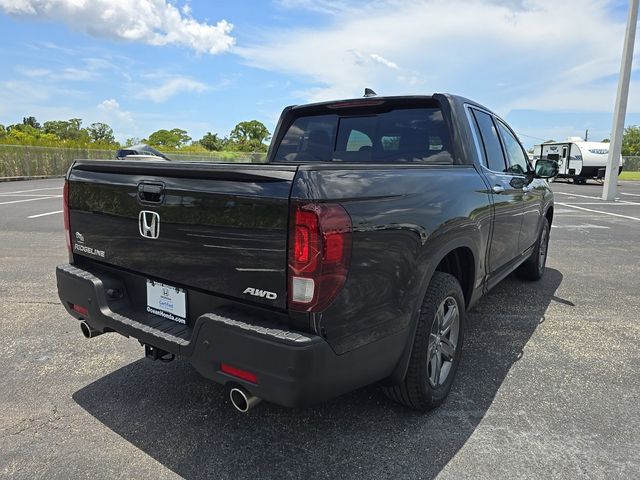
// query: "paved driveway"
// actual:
[[549, 386]]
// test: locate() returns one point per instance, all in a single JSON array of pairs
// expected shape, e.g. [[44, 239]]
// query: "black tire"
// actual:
[[533, 269], [421, 388]]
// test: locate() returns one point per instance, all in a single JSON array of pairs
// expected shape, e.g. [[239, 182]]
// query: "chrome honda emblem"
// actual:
[[149, 224]]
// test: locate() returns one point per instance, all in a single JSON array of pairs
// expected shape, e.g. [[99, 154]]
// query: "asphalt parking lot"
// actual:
[[549, 386]]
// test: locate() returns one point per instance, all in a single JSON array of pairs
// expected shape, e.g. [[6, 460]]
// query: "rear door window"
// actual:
[[494, 157], [411, 135]]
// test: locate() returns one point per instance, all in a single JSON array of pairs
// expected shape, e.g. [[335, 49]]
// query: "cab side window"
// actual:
[[518, 162], [494, 158]]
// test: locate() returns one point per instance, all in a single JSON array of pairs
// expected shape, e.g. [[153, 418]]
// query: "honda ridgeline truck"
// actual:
[[350, 257]]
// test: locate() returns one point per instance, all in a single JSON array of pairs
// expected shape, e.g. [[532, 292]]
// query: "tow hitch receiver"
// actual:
[[154, 354]]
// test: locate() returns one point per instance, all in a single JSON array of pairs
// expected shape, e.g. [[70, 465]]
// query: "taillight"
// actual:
[[319, 254], [65, 208]]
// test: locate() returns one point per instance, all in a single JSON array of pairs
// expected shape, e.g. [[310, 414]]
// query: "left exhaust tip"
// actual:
[[88, 331], [242, 400]]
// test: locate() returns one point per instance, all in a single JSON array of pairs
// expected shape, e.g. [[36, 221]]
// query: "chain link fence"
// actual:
[[31, 161], [632, 164]]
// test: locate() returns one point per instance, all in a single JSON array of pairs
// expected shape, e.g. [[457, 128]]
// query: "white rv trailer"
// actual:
[[576, 158]]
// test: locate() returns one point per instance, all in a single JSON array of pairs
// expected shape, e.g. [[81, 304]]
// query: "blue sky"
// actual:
[[550, 68]]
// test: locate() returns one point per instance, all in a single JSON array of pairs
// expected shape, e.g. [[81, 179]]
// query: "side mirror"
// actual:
[[546, 168]]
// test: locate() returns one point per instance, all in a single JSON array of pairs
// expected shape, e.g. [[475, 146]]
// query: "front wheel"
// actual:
[[533, 268], [437, 347]]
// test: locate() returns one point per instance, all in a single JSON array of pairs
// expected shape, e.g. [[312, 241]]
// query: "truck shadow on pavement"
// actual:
[[188, 425]]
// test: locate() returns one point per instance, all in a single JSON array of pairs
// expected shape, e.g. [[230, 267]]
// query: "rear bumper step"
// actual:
[[292, 368]]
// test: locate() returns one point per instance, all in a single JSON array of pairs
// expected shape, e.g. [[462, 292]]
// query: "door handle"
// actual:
[[527, 188], [498, 189]]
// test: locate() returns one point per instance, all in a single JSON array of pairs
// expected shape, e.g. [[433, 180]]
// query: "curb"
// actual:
[[36, 177]]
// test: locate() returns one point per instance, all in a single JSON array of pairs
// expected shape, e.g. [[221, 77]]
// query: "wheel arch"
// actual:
[[549, 214], [458, 259], [460, 263]]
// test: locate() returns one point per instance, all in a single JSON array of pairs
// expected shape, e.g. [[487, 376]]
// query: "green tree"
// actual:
[[24, 129], [212, 142], [174, 138], [132, 141], [31, 121], [631, 141], [67, 130], [182, 136], [3, 130], [252, 131], [23, 134], [101, 133], [605, 140]]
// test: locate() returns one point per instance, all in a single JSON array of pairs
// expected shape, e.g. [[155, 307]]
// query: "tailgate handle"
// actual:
[[150, 192]]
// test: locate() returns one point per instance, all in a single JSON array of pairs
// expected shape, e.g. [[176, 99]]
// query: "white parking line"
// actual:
[[616, 204], [576, 195], [594, 198], [586, 225], [45, 214], [598, 211], [34, 190], [26, 195], [575, 214], [631, 194], [31, 199]]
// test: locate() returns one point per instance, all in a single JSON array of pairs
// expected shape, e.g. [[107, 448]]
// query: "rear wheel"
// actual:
[[437, 346], [533, 268]]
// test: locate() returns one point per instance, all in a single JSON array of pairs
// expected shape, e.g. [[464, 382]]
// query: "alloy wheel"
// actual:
[[443, 341]]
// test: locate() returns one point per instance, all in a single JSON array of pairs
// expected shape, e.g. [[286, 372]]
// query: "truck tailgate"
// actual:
[[220, 228]]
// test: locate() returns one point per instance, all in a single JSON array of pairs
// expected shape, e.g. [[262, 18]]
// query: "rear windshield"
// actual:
[[411, 135]]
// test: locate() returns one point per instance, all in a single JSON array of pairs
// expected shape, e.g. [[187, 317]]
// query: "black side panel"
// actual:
[[405, 220]]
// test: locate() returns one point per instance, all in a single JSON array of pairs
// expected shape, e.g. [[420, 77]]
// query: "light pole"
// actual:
[[613, 162]]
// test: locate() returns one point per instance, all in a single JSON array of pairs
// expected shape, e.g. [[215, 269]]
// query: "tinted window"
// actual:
[[358, 141], [518, 163], [354, 134], [404, 135], [494, 158], [308, 139]]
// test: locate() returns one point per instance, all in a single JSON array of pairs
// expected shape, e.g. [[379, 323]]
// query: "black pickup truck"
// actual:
[[350, 257]]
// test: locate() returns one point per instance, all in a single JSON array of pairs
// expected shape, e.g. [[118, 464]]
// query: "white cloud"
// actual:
[[543, 53], [154, 22], [85, 69], [109, 105], [170, 87], [112, 109], [17, 91], [34, 72], [383, 61], [328, 7]]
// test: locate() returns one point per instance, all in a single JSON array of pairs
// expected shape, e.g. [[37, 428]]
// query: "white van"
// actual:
[[576, 158]]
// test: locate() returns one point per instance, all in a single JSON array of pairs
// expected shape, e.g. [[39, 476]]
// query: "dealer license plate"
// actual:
[[167, 301]]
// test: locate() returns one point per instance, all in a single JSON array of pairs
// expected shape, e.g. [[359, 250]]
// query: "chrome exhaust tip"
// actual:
[[242, 400], [88, 331]]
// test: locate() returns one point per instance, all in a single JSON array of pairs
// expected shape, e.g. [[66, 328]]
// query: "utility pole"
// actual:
[[613, 162], [586, 135]]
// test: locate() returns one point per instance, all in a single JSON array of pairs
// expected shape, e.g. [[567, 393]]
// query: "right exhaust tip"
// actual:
[[242, 400], [88, 331]]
